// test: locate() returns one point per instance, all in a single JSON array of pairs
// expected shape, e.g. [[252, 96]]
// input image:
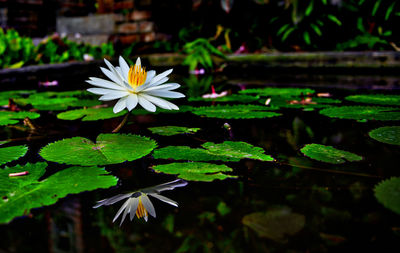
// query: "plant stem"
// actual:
[[116, 130]]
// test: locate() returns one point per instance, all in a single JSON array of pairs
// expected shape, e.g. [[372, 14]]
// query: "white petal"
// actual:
[[120, 210], [134, 204], [150, 75], [112, 200], [146, 104], [165, 93], [121, 79], [127, 210], [148, 205], [110, 75], [138, 62], [124, 67], [131, 102], [167, 86], [157, 101], [161, 76], [164, 199], [161, 81], [114, 95], [99, 91], [104, 83], [120, 105], [173, 106]]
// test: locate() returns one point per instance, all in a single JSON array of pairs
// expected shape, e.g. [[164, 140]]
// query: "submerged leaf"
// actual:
[[9, 118], [90, 114], [329, 154], [172, 130], [9, 154], [20, 194], [109, 149], [387, 192], [235, 111], [362, 112], [195, 171], [389, 134], [379, 99]]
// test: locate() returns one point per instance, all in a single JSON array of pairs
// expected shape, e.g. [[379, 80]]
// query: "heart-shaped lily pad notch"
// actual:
[[235, 112], [10, 118], [388, 134], [362, 112], [108, 149], [387, 192], [19, 194], [90, 114], [280, 92], [379, 99], [195, 171], [9, 154], [173, 130], [329, 154]]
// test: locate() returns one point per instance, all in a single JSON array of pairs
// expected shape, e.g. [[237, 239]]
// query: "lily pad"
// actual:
[[387, 192], [237, 149], [294, 102], [329, 154], [281, 92], [379, 99], [190, 154], [20, 194], [241, 98], [10, 118], [108, 149], [90, 114], [173, 130], [9, 154], [195, 171], [362, 113], [56, 104], [235, 111], [6, 95], [388, 134], [276, 224]]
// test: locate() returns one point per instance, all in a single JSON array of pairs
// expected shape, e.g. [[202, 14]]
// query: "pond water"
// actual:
[[299, 202]]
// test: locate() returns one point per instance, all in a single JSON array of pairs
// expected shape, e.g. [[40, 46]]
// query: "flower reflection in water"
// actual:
[[139, 203]]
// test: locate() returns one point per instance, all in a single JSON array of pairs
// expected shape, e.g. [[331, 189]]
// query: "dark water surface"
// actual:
[[336, 202]]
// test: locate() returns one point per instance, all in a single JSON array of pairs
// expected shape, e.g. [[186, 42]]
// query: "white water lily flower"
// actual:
[[134, 85], [139, 203]]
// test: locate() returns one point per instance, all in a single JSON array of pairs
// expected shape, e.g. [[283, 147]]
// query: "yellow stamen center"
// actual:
[[141, 211], [136, 76]]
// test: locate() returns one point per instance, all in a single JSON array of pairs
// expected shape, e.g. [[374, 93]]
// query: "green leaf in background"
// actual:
[[329, 154], [190, 154], [13, 94], [10, 118], [297, 102], [362, 113], [276, 224], [195, 171], [108, 149], [237, 149], [57, 103], [90, 114], [379, 99], [172, 130], [9, 154], [282, 92], [223, 209], [20, 194], [235, 112], [388, 134], [387, 192], [241, 98]]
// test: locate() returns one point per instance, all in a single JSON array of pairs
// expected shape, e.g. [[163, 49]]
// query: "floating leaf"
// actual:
[[379, 99], [235, 111], [13, 94], [237, 149], [9, 154], [241, 98], [389, 134], [140, 111], [293, 102], [281, 92], [108, 149], [362, 113], [9, 118], [190, 154], [90, 114], [56, 104], [20, 194], [195, 171], [387, 192], [275, 224], [172, 130], [329, 154]]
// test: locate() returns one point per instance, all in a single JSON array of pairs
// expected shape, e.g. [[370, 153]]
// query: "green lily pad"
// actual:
[[173, 130], [387, 192], [235, 111], [10, 118], [237, 149], [57, 104], [362, 113], [6, 95], [195, 171], [9, 154], [329, 154], [241, 98], [141, 111], [276, 224], [90, 114], [389, 134], [281, 92], [20, 194], [379, 99], [293, 102], [108, 149], [190, 154]]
